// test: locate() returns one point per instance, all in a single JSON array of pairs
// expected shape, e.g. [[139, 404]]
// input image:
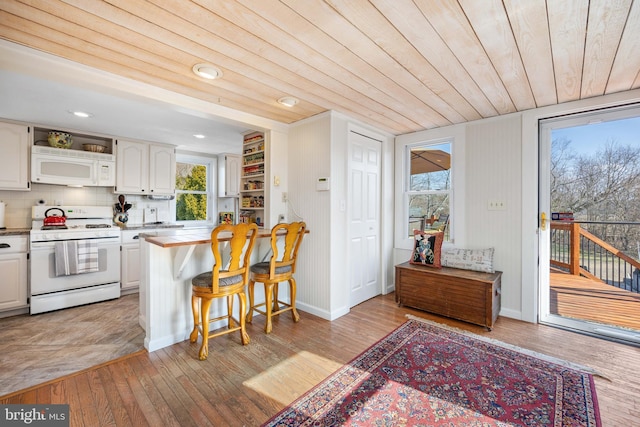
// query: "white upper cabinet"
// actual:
[[14, 162], [229, 175], [132, 167], [143, 168], [162, 169]]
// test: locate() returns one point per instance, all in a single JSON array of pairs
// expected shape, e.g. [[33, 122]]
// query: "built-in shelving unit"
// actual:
[[252, 184]]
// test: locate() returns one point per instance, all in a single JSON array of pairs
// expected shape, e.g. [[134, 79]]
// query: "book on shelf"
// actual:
[[254, 158], [248, 217], [253, 138], [253, 169]]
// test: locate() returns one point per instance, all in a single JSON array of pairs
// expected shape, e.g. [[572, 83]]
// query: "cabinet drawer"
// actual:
[[130, 237], [13, 244]]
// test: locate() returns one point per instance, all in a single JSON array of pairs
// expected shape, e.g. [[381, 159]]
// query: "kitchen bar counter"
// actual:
[[188, 237], [170, 259]]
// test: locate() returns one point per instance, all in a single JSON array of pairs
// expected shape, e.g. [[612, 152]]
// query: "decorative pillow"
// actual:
[[469, 259], [426, 249]]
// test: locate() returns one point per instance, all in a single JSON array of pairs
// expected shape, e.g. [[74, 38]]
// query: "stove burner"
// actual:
[[54, 227], [97, 226]]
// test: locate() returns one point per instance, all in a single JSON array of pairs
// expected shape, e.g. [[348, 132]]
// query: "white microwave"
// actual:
[[72, 167]]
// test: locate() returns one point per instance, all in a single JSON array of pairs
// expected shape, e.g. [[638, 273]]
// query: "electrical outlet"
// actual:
[[150, 215], [496, 205], [284, 196], [281, 218]]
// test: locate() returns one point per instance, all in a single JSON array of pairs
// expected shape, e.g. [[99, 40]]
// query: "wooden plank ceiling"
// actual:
[[400, 65]]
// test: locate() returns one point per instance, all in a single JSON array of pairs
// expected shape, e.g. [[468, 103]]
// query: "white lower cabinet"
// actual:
[[13, 270], [130, 261], [130, 258]]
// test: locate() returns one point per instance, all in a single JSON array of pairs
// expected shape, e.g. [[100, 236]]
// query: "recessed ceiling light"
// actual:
[[207, 71], [288, 101], [82, 114], [199, 136]]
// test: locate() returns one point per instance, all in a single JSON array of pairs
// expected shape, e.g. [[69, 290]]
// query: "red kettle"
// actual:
[[54, 219]]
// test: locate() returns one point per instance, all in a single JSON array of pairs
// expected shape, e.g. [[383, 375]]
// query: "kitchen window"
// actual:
[[193, 188], [428, 187]]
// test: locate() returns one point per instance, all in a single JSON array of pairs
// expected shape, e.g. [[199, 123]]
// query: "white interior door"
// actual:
[[364, 217]]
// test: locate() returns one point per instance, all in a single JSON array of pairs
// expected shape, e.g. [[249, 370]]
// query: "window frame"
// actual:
[[211, 165], [456, 135], [407, 192]]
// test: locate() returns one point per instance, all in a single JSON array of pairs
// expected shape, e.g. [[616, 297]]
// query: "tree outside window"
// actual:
[[429, 187], [191, 191]]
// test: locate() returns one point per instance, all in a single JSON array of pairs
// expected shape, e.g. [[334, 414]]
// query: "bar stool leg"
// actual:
[[268, 298], [195, 308], [292, 291], [251, 295], [204, 309]]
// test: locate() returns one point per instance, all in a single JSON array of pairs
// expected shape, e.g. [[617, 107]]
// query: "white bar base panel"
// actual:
[[165, 298]]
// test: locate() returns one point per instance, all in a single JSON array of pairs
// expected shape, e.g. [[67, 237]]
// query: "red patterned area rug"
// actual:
[[425, 374]]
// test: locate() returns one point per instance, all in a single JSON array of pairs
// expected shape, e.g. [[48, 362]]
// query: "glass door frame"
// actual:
[[545, 128]]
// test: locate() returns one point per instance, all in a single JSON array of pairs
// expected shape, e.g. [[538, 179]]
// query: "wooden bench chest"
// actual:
[[466, 295]]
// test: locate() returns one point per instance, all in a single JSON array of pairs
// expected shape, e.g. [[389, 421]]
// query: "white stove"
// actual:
[[74, 263], [82, 222]]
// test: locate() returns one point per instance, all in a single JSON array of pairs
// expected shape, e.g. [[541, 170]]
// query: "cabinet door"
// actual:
[[162, 169], [130, 267], [14, 162], [132, 167], [229, 175], [13, 288]]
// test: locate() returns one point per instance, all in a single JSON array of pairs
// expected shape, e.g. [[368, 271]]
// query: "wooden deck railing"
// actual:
[[579, 252]]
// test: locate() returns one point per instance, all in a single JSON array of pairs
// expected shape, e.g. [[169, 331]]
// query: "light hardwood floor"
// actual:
[[38, 348], [244, 386]]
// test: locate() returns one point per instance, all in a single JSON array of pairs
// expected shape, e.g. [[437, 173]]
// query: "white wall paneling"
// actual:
[[494, 173], [309, 157]]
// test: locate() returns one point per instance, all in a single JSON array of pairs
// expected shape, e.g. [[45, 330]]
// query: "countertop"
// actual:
[[25, 231], [150, 226], [15, 231]]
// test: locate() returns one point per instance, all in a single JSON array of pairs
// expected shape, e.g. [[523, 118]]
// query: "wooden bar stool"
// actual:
[[219, 283], [280, 268]]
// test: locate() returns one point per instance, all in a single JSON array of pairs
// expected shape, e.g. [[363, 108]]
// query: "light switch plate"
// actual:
[[496, 205]]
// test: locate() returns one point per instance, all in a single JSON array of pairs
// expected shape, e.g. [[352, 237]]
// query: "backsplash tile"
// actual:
[[19, 203]]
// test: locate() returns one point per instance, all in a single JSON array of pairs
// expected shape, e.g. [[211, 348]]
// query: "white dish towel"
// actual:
[[76, 257]]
